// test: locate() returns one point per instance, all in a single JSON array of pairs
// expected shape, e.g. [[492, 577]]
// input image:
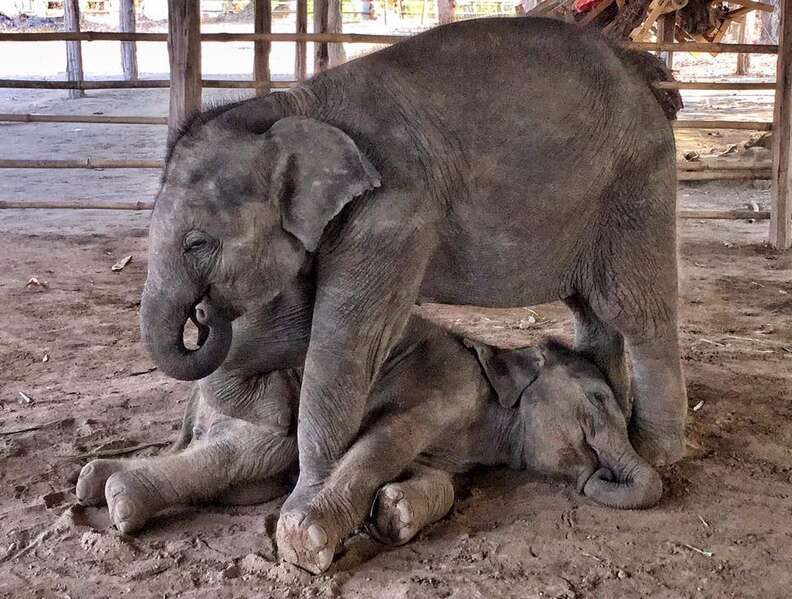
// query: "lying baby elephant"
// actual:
[[442, 405]]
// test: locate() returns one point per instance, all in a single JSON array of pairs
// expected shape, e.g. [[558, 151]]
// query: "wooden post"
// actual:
[[445, 11], [184, 51], [126, 23], [781, 211], [262, 23], [746, 34], [666, 26], [74, 65], [327, 19], [301, 57]]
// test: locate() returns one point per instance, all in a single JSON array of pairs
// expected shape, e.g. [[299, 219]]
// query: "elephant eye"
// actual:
[[195, 241]]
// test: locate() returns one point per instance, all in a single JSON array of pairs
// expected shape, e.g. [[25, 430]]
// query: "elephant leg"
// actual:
[[363, 303], [604, 346], [344, 501], [203, 472], [93, 477], [401, 509]]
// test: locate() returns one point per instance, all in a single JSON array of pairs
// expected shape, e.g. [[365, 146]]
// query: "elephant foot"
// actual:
[[90, 488], [402, 510], [306, 541], [129, 502], [658, 447]]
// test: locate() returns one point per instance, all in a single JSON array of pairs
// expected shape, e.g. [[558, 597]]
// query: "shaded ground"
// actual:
[[724, 528]]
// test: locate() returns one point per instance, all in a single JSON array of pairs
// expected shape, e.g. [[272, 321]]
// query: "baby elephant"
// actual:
[[441, 405]]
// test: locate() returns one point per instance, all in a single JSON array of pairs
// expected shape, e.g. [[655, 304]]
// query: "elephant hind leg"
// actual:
[[604, 346]]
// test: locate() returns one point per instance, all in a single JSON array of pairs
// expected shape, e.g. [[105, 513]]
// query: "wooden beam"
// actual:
[[746, 34], [781, 189], [74, 65], [666, 34], [719, 48], [262, 23], [83, 205], [114, 36], [321, 52], [80, 118], [744, 125], [724, 214], [301, 54], [139, 84], [714, 85], [126, 23], [184, 51], [87, 163], [724, 175], [764, 6]]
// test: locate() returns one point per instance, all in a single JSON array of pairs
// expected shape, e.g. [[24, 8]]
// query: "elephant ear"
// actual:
[[321, 171], [509, 371]]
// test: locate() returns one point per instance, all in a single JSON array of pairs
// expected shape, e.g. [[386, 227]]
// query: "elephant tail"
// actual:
[[652, 70]]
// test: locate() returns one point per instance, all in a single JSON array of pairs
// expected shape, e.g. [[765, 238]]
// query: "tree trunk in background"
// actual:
[[184, 53], [126, 24], [445, 11], [628, 19], [746, 36], [262, 23], [74, 65]]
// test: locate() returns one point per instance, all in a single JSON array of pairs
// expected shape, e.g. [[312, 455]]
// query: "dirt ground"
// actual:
[[72, 347]]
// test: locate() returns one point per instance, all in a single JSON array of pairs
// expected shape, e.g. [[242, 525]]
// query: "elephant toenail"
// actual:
[[405, 511], [317, 536], [123, 510], [393, 493], [324, 558]]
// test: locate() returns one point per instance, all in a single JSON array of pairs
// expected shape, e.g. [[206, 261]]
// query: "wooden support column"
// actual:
[[126, 24], [781, 210], [446, 10], [262, 23], [665, 33], [301, 57], [327, 19], [746, 35], [74, 64], [184, 51]]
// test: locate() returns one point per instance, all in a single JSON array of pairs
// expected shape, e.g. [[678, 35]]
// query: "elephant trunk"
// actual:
[[162, 326], [626, 483]]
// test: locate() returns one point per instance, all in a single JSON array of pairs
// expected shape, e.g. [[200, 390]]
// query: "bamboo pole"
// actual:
[[74, 65], [126, 23], [743, 125], [262, 23], [79, 118], [184, 53], [781, 190], [301, 53], [87, 163]]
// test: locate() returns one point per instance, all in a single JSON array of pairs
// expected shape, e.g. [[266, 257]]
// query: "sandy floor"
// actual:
[[724, 528]]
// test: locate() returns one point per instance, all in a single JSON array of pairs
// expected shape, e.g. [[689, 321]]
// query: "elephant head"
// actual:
[[238, 215], [570, 423]]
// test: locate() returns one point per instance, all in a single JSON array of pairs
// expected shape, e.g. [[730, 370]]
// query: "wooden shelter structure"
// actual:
[[184, 40]]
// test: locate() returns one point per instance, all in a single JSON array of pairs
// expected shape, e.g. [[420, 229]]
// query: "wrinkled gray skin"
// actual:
[[492, 162], [440, 406]]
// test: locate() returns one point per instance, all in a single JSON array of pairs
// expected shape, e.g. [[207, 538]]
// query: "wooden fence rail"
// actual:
[[81, 118], [138, 84], [87, 163]]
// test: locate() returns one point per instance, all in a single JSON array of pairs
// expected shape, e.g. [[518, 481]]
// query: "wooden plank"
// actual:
[[725, 175], [74, 65], [704, 47], [87, 163], [321, 51], [666, 34], [262, 23], [79, 118], [743, 125], [724, 164], [81, 205], [95, 36], [781, 189], [126, 23], [184, 52], [139, 84], [713, 85], [724, 214], [301, 54]]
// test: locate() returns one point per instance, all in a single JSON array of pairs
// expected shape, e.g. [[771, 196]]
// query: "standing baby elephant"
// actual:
[[440, 406], [491, 162]]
